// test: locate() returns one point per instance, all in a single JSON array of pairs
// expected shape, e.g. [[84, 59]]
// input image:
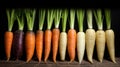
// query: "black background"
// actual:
[[115, 19]]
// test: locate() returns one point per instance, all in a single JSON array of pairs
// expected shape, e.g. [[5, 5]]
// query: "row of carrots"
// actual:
[[53, 39]]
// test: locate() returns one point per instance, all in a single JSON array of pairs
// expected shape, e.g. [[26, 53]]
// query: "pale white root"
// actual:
[[90, 43], [63, 45], [80, 45], [110, 44], [100, 44]]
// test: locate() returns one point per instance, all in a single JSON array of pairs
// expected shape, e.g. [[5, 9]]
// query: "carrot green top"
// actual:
[[99, 18], [108, 18], [72, 18], [64, 19], [30, 15], [11, 18], [41, 18], [80, 17], [20, 19], [58, 13], [89, 18], [50, 17]]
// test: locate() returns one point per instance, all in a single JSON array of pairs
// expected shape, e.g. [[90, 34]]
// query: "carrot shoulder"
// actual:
[[8, 43]]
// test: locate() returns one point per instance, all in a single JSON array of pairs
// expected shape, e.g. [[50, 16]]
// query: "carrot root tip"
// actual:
[[91, 61], [114, 61], [54, 61], [27, 61], [80, 61], [8, 59], [101, 60]]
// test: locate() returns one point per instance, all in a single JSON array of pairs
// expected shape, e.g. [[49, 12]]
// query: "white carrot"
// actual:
[[100, 35], [80, 36], [110, 36], [63, 36], [90, 37]]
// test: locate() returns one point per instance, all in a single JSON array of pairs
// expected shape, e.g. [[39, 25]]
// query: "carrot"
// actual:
[[90, 37], [30, 36], [56, 34], [48, 34], [110, 36], [8, 37], [100, 35], [39, 35], [71, 36], [63, 35], [80, 35], [17, 47]]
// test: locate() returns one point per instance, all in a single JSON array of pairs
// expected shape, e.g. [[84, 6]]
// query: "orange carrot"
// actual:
[[48, 37], [8, 37], [71, 37], [55, 42], [71, 43], [8, 43], [48, 34], [39, 35], [29, 45], [30, 36], [56, 34], [39, 44]]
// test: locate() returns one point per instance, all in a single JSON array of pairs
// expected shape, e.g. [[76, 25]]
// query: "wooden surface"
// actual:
[[33, 63]]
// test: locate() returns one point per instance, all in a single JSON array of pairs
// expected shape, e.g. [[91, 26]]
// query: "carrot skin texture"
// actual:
[[90, 43], [39, 44], [17, 47], [8, 38], [29, 45], [110, 43], [48, 38], [71, 43], [100, 44], [63, 45], [55, 42]]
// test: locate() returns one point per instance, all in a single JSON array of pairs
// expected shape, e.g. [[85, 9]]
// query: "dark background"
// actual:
[[115, 19]]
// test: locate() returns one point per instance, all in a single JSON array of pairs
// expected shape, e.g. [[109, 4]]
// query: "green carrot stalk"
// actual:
[[30, 15], [64, 21], [58, 13], [41, 18], [80, 17], [99, 18], [11, 18], [89, 19]]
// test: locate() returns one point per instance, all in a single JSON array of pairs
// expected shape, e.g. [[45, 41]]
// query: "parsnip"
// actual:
[[80, 45], [63, 36], [63, 45], [100, 35], [80, 36], [110, 36], [90, 37]]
